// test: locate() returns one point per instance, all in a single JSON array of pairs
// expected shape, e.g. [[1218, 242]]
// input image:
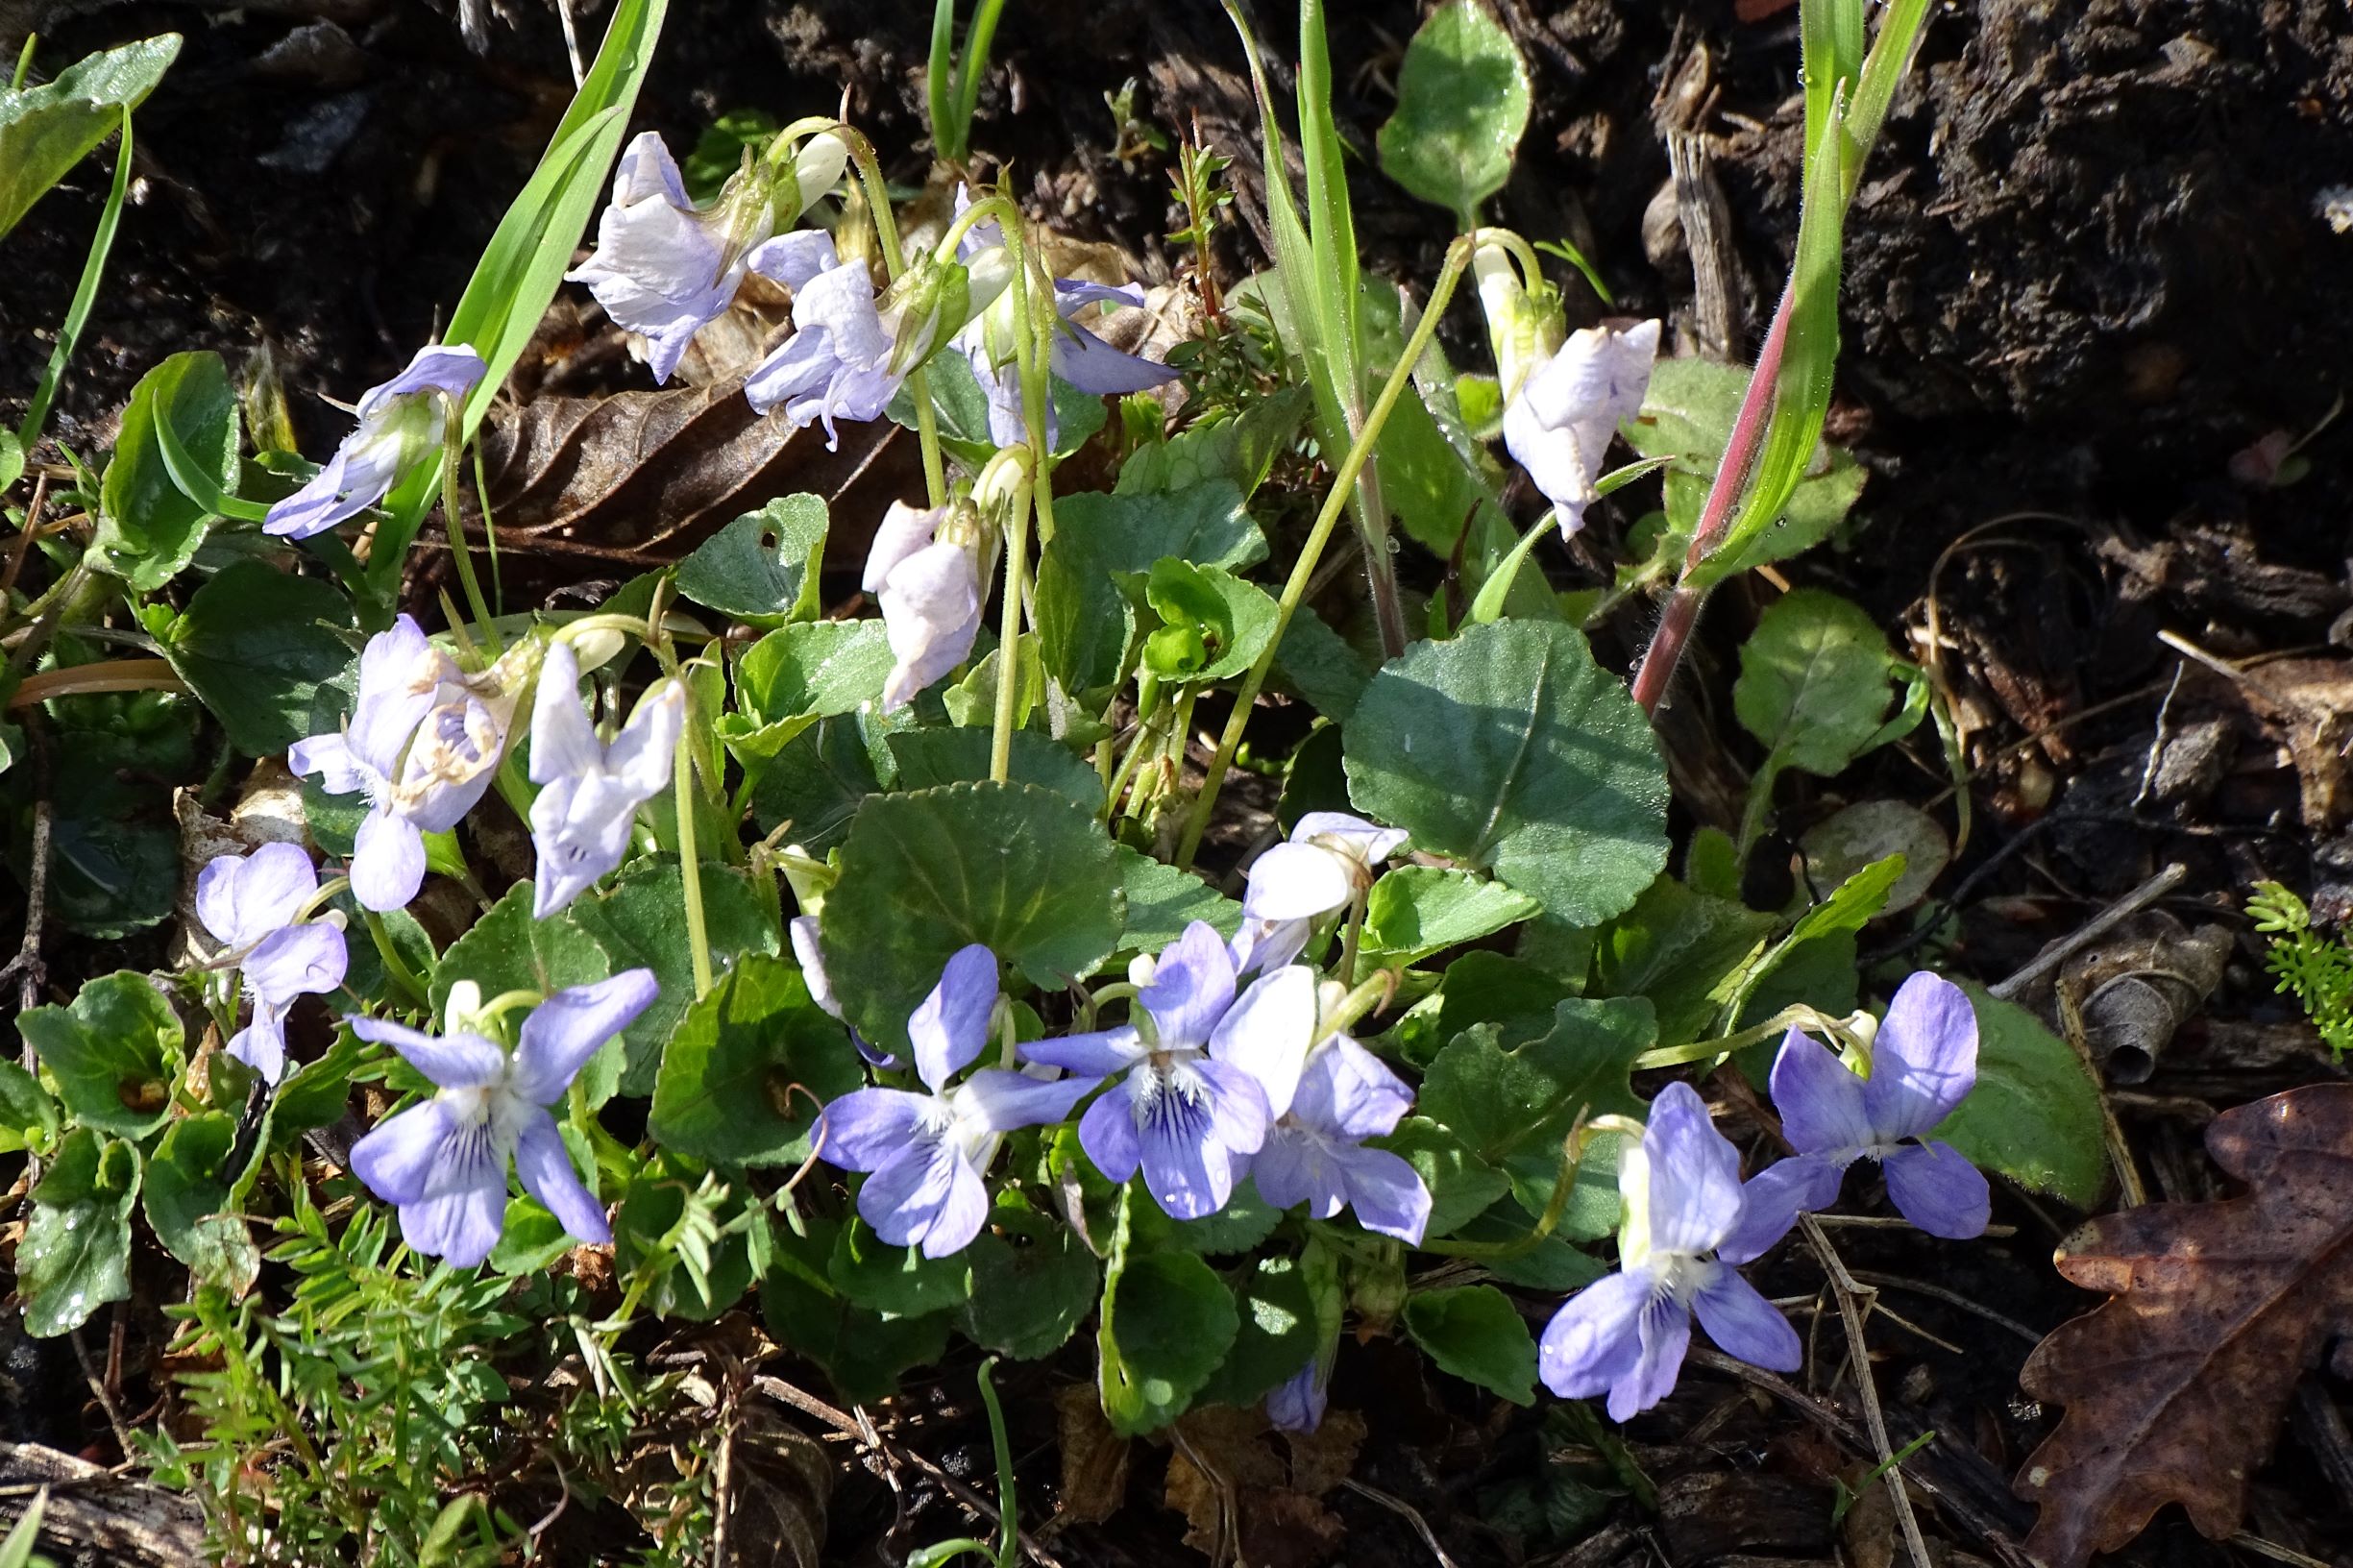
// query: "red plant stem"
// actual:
[[1683, 611]]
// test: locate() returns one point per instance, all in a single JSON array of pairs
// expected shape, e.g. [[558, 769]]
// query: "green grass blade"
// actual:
[[85, 296], [939, 81], [1331, 224], [1890, 57], [972, 67]]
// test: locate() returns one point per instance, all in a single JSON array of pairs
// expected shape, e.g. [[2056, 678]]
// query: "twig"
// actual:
[[106, 1398], [1922, 1287], [2276, 1552], [1844, 1286], [1408, 1512], [2090, 932]]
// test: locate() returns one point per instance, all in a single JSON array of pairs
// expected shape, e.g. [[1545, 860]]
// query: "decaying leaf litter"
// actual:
[[2025, 572]]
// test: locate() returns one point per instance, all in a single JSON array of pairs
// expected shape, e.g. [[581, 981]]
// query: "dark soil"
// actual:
[[2088, 268]]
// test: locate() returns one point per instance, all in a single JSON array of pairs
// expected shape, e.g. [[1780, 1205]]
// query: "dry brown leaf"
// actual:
[[1322, 1459], [2174, 1388], [1093, 1457]]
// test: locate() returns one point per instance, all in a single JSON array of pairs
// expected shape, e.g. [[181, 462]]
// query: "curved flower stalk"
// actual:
[[1314, 1153], [401, 425], [926, 1153], [926, 569], [423, 744], [1625, 1336], [252, 905], [1191, 1103], [443, 1163], [1078, 357], [663, 268], [591, 788], [851, 349], [1330, 860], [1923, 1063]]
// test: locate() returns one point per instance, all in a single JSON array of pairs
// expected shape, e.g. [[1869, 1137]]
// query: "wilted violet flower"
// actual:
[[1330, 858], [591, 788], [851, 349], [665, 269], [249, 904], [400, 423], [423, 744], [1191, 1105], [1298, 1404], [1625, 1335], [926, 1152], [1923, 1063], [1313, 1153], [1561, 425], [443, 1163], [925, 569]]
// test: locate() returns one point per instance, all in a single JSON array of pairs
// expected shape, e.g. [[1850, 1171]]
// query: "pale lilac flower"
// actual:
[[249, 904], [1923, 1063], [851, 349], [1315, 1152], [1330, 859], [400, 423], [926, 1152], [1625, 1335], [443, 1163], [1298, 1405], [665, 269], [591, 788], [423, 744], [1561, 425], [925, 569], [1191, 1106]]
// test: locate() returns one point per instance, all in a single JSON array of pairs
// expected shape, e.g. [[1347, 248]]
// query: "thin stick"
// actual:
[[1844, 1286], [106, 1398], [2099, 926], [1954, 1298], [1411, 1515]]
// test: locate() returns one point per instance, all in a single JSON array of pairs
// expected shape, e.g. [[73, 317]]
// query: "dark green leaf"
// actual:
[[314, 1094], [2034, 1116], [76, 1252], [861, 1350], [747, 1067], [640, 921], [187, 1180], [114, 1052], [510, 949], [1499, 1102], [930, 757], [1318, 664], [148, 530], [45, 130], [1240, 448], [763, 567], [1167, 1323], [256, 643], [1683, 950], [1815, 681], [1277, 1335], [709, 1273], [819, 779], [1083, 620], [1476, 1333], [1011, 865], [897, 1281], [1509, 748], [1033, 1283], [1161, 901], [1461, 1184], [1462, 101]]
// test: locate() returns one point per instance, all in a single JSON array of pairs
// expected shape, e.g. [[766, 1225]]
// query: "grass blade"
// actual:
[[85, 296]]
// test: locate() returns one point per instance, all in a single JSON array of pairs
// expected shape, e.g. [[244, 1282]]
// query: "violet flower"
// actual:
[[591, 788], [443, 1163], [665, 269], [1625, 1335], [926, 1152], [1313, 1153], [1561, 425], [401, 423], [1191, 1106], [1329, 860], [925, 569], [249, 904], [423, 745], [1298, 1404], [1923, 1063]]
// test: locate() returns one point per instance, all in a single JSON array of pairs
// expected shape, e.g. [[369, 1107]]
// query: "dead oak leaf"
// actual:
[[2175, 1387]]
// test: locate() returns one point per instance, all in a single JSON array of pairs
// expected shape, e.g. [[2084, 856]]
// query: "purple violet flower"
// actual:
[[591, 788], [250, 903], [400, 423], [443, 1163], [1923, 1063], [423, 744], [925, 569], [1625, 1335], [665, 269], [1191, 1106], [1298, 1404], [1561, 425], [1313, 1153], [926, 1153], [1330, 858]]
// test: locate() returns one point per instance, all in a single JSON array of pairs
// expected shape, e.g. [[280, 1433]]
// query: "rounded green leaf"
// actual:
[[508, 949], [256, 643], [113, 1052], [1816, 679], [45, 130], [897, 1281], [1462, 101], [1476, 1333], [76, 1252], [1016, 868], [1415, 911], [1276, 1337], [1167, 1323], [148, 527], [763, 567], [186, 1182], [1033, 1282], [26, 1110], [2034, 1114], [748, 1066], [1509, 748]]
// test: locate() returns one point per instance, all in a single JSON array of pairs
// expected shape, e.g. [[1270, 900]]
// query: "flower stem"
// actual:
[[395, 965], [1027, 304], [690, 867], [1303, 570], [454, 443], [894, 263]]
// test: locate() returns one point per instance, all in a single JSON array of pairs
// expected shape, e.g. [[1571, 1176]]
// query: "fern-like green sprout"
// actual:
[[2317, 972]]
